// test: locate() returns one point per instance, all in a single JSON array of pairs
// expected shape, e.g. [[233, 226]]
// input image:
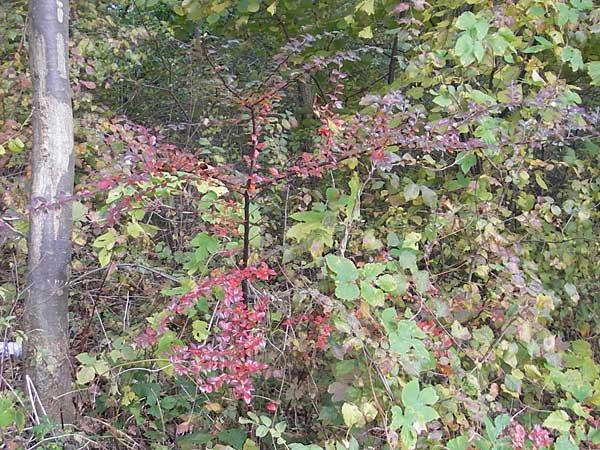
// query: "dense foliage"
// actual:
[[320, 225]]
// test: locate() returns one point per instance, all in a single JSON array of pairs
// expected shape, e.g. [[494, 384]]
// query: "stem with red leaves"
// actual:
[[247, 200]]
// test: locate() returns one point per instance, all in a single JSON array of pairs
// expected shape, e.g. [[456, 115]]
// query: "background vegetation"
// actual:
[[320, 224]]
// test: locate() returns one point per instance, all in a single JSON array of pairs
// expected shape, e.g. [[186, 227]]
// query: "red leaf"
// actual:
[[88, 84]]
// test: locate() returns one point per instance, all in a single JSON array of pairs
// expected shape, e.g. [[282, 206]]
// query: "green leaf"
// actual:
[[387, 283], [543, 44], [411, 191], [466, 160], [370, 271], [234, 437], [566, 14], [104, 257], [200, 330], [429, 196], [344, 269], [540, 181], [410, 393], [79, 211], [482, 98], [573, 56], [558, 420], [478, 51], [352, 415], [407, 259], [458, 443], [422, 281], [444, 101], [593, 69], [397, 418], [499, 44], [15, 145], [347, 290], [261, 431], [371, 294], [85, 374], [466, 21], [370, 242], [7, 412], [464, 49], [134, 229], [86, 359], [250, 6], [582, 4], [565, 442], [101, 367], [481, 28]]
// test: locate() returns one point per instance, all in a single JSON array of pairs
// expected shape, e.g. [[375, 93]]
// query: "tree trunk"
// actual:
[[50, 220]]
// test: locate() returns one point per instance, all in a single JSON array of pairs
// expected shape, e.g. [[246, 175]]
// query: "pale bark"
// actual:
[[46, 303]]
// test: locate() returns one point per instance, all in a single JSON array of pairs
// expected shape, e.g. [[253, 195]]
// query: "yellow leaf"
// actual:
[[367, 6], [366, 33], [540, 181]]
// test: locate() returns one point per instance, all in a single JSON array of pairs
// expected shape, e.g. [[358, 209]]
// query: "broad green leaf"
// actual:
[[540, 181], [410, 393], [558, 420], [482, 98], [15, 145], [464, 49], [429, 196], [370, 271], [582, 4], [407, 259], [573, 57], [7, 412], [346, 290], [466, 21], [104, 257], [566, 14], [344, 269], [466, 161], [200, 330], [397, 418], [411, 192], [86, 359], [371, 294], [85, 374], [543, 44], [352, 415], [422, 281], [593, 69], [387, 282], [444, 101], [565, 442], [262, 431], [458, 443]]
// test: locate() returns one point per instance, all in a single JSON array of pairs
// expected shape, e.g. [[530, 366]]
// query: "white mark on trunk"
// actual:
[[59, 11], [61, 56]]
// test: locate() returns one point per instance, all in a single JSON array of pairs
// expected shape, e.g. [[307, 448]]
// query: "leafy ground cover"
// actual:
[[320, 225]]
